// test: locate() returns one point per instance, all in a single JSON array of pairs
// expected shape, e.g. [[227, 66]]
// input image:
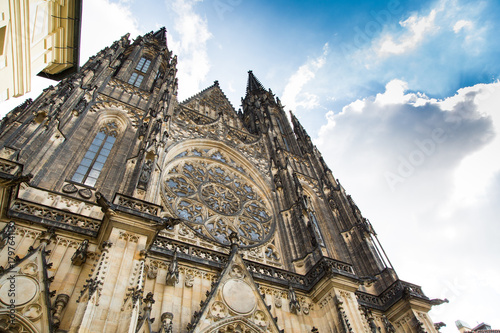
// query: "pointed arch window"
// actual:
[[280, 126], [315, 225], [136, 79], [142, 68], [143, 65], [92, 163]]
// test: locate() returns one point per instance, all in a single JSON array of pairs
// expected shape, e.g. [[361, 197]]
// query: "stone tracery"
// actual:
[[215, 198]]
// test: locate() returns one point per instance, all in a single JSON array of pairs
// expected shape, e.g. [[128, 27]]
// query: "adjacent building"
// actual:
[[37, 37]]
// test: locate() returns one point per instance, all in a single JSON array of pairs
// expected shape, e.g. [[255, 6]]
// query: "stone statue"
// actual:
[[292, 300], [173, 272], [80, 255]]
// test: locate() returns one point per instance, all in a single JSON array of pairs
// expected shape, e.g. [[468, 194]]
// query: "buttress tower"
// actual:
[[121, 204]]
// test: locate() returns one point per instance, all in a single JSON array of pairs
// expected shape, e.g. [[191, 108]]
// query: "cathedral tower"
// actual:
[[120, 204]]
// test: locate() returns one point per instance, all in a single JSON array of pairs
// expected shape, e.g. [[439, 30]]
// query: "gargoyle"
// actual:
[[438, 301], [17, 179], [105, 204]]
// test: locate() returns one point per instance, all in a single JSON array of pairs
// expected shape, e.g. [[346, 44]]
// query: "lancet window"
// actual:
[[92, 163]]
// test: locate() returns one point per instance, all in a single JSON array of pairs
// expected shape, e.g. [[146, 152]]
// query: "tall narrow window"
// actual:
[[314, 221], [286, 144], [136, 79], [143, 65], [92, 163], [279, 125]]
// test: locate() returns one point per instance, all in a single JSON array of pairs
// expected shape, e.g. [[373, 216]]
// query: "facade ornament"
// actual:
[[389, 328], [168, 223], [278, 301], [438, 301], [152, 272], [16, 180], [145, 174], [419, 325], [105, 204], [47, 236], [173, 271], [80, 255], [59, 305], [6, 233], [189, 280], [439, 325], [373, 326], [146, 315], [344, 321], [292, 301], [166, 322]]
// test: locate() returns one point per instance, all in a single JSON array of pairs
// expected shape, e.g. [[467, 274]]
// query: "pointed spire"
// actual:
[[253, 83], [161, 35]]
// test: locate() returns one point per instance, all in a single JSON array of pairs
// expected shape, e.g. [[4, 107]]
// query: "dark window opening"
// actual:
[[92, 163]]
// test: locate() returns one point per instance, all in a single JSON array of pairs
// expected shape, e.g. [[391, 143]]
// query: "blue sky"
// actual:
[[401, 97]]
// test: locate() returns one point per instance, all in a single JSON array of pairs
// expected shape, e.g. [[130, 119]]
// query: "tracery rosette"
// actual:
[[215, 199]]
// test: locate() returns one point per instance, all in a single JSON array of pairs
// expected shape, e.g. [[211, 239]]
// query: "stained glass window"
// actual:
[[92, 163], [143, 65], [215, 199], [136, 79]]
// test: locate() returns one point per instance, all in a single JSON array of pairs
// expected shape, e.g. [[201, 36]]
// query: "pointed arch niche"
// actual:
[[318, 219]]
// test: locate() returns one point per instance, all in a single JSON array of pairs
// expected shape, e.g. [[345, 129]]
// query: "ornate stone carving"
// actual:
[[389, 328], [137, 205], [59, 305], [152, 271], [188, 280], [45, 213], [166, 322], [69, 188], [173, 272], [80, 255], [218, 311], [293, 303], [214, 200], [6, 233]]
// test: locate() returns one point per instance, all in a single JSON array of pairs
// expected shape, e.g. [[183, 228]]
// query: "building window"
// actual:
[[143, 65], [279, 125], [315, 226], [136, 79], [92, 163], [286, 144]]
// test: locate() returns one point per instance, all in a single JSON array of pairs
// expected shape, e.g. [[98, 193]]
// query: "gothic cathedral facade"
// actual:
[[121, 205]]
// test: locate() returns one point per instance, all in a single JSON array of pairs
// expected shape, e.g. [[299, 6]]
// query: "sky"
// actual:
[[401, 97]]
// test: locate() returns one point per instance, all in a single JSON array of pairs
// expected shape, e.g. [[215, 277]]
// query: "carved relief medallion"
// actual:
[[239, 296]]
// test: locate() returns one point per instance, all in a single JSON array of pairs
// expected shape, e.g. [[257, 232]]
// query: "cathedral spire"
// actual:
[[161, 35], [253, 83]]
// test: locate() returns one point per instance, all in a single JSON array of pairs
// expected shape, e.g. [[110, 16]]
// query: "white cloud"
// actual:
[[293, 96], [476, 171], [462, 24], [107, 20], [416, 30], [191, 47], [444, 155]]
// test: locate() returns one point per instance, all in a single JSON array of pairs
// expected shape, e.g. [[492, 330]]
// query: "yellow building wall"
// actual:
[[35, 36]]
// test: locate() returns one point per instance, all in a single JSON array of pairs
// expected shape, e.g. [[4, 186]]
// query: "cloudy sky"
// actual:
[[400, 96]]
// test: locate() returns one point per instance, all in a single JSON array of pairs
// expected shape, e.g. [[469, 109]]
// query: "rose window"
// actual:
[[215, 199]]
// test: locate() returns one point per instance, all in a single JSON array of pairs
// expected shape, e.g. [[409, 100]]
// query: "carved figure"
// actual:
[[80, 255], [292, 300], [173, 272]]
